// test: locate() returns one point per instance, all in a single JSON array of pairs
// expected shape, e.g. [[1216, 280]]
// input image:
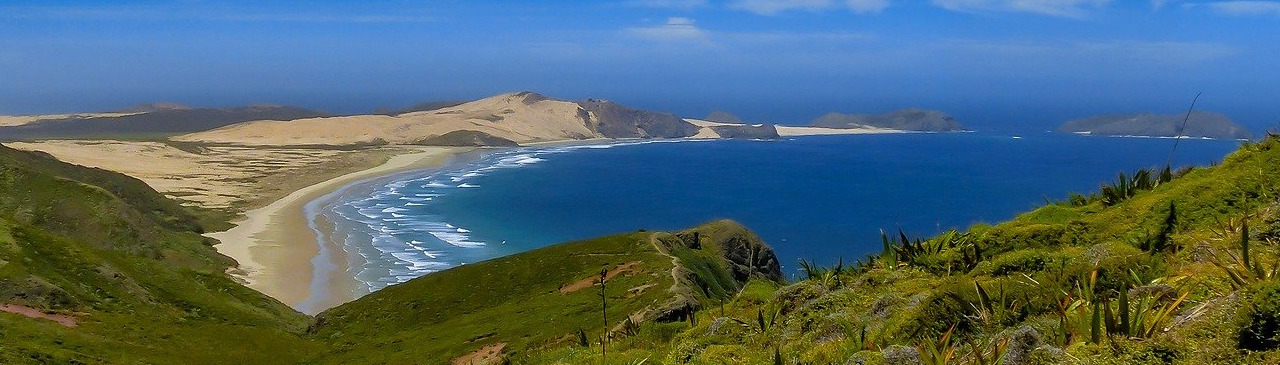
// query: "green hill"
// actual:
[[131, 270], [540, 299], [1155, 268]]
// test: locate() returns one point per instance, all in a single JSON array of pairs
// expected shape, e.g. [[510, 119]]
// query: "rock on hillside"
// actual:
[[1200, 124], [910, 119]]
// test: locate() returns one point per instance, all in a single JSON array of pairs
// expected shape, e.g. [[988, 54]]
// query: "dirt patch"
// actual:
[[22, 310], [636, 291], [491, 354], [592, 281]]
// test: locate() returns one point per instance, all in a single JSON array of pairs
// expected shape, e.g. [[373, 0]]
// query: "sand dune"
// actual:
[[217, 177], [520, 117]]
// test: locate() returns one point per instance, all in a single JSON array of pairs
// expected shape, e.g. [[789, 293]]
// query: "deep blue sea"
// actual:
[[817, 198]]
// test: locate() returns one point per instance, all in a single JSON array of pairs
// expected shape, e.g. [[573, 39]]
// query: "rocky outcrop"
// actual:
[[614, 120], [910, 119], [716, 258], [1199, 124]]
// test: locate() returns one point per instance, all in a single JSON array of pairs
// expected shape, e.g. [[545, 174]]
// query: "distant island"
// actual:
[[1200, 124], [909, 119]]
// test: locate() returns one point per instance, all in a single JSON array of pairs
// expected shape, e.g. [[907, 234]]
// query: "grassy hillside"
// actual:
[[129, 268], [543, 298], [1147, 271], [1155, 268]]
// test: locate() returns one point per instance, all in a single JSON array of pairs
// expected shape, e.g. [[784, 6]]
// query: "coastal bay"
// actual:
[[275, 245]]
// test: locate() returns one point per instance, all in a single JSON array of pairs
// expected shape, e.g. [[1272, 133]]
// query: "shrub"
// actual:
[[1023, 261], [1260, 322]]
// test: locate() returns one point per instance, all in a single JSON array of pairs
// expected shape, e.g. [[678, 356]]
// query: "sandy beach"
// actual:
[[275, 246]]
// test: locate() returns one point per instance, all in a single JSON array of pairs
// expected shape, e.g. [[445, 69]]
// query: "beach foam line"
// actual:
[[265, 242]]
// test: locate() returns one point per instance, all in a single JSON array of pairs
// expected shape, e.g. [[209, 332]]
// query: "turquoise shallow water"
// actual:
[[819, 198]]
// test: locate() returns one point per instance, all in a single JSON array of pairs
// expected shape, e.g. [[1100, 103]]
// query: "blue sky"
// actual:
[[998, 62]]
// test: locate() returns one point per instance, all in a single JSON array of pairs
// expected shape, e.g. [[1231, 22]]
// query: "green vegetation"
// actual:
[[1171, 268], [130, 267], [548, 299]]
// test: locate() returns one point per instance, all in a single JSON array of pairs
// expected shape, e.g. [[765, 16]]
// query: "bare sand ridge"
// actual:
[[519, 117], [17, 120]]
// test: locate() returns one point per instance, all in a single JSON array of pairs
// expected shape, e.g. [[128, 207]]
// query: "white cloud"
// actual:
[[668, 4], [1062, 8], [676, 29], [773, 7], [1243, 8]]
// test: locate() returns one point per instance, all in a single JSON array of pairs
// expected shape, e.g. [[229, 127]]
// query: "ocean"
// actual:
[[819, 198]]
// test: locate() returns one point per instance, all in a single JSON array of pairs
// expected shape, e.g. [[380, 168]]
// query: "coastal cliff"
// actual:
[[1198, 124], [613, 120]]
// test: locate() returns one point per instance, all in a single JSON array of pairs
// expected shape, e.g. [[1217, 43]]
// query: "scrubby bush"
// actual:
[[1021, 261], [1260, 322]]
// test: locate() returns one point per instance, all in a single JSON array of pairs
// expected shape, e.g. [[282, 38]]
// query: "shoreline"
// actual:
[[274, 245], [287, 252]]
